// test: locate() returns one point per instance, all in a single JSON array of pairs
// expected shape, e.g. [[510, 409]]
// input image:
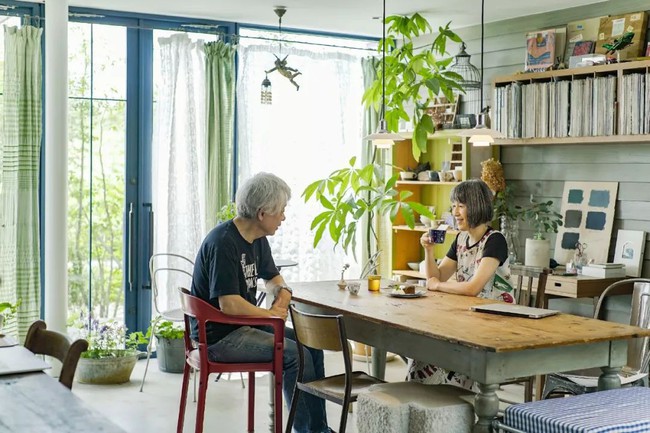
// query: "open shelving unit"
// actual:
[[442, 145], [618, 103]]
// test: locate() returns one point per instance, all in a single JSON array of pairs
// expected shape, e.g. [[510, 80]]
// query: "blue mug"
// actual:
[[437, 236]]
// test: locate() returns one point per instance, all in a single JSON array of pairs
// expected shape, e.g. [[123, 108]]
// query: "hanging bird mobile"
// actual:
[[285, 70]]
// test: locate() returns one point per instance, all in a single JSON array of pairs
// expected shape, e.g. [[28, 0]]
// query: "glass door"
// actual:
[[103, 215]]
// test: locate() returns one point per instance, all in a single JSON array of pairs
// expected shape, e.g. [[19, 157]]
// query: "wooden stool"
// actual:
[[410, 407]]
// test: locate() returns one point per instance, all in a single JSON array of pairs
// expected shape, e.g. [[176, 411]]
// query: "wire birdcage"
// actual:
[[471, 101]]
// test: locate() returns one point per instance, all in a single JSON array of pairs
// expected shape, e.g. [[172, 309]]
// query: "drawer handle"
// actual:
[[558, 284]]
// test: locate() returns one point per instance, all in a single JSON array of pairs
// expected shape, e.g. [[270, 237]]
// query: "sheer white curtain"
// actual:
[[179, 151], [301, 137]]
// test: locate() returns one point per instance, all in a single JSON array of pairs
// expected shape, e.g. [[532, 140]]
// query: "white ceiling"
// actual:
[[340, 16]]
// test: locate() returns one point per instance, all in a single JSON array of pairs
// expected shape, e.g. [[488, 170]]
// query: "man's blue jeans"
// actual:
[[248, 344]]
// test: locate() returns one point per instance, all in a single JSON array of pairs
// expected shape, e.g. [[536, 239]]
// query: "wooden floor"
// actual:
[[155, 410]]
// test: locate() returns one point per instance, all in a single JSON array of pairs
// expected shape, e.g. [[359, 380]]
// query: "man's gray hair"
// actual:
[[477, 198], [263, 192]]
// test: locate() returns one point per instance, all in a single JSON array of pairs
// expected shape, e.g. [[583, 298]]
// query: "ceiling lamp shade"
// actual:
[[383, 139], [481, 135], [462, 66]]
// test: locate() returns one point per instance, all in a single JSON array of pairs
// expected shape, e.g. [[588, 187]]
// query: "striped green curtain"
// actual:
[[220, 126], [382, 224], [19, 171]]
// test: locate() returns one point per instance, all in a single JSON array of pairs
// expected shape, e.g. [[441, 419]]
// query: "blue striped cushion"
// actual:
[[624, 410]]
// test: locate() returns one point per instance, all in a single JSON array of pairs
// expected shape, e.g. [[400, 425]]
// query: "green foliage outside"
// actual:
[[96, 197], [413, 75]]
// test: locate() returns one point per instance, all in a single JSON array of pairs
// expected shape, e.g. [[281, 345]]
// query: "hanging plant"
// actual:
[[413, 75]]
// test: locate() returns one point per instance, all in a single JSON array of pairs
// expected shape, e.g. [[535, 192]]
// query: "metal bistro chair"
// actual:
[[525, 297], [167, 271], [197, 358], [326, 333], [43, 342], [638, 353]]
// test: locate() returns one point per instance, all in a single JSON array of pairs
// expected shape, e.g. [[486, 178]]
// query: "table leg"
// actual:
[[609, 379], [486, 406], [378, 363]]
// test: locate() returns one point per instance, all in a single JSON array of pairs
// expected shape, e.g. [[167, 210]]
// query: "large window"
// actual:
[[303, 136], [96, 170]]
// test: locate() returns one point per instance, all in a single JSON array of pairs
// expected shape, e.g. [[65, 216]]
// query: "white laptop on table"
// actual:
[[514, 310], [17, 359]]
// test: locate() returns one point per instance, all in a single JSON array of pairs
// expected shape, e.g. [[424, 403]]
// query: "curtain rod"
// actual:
[[205, 28]]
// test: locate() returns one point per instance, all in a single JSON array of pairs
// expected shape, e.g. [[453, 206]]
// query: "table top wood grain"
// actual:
[[36, 402], [448, 318]]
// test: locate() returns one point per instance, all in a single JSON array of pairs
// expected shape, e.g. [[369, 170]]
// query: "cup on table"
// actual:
[[354, 288], [374, 281], [437, 236]]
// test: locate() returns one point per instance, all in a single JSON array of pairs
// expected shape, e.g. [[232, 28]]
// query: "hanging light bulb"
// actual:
[[383, 139], [481, 135], [266, 97]]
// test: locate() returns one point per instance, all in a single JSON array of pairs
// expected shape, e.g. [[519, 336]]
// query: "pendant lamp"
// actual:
[[481, 135], [382, 138]]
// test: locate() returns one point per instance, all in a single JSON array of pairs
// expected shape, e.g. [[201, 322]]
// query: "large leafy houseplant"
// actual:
[[413, 75], [348, 194]]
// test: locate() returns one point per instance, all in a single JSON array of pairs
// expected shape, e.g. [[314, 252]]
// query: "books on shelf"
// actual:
[[603, 272]]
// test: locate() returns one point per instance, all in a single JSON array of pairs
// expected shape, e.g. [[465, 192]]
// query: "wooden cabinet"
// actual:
[[443, 145], [596, 104]]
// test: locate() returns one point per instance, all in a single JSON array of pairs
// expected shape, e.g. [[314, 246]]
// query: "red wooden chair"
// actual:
[[197, 358]]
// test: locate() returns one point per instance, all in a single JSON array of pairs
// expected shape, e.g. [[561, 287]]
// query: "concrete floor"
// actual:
[[155, 410]]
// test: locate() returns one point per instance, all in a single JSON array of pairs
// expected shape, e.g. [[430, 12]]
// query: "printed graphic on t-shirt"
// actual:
[[250, 272]]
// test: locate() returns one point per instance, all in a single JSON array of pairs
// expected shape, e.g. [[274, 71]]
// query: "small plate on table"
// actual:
[[417, 294]]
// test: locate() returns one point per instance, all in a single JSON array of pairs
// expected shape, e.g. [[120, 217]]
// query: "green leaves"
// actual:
[[350, 194], [541, 217], [413, 75]]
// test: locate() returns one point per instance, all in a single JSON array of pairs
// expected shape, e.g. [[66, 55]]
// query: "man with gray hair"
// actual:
[[233, 256]]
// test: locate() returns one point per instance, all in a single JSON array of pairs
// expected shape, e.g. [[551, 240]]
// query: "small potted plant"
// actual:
[[111, 356], [7, 311], [170, 346], [543, 220]]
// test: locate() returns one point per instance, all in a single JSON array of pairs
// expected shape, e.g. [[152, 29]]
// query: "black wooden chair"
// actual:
[[326, 333], [51, 343]]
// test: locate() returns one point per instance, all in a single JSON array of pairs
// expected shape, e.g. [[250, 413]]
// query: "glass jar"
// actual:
[[510, 230]]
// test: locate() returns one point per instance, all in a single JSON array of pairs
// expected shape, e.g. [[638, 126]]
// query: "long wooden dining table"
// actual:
[[491, 349], [32, 401]]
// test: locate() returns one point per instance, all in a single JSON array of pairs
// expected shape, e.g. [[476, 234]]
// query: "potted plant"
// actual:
[[170, 346], [7, 311], [543, 219], [414, 76], [111, 356], [348, 194]]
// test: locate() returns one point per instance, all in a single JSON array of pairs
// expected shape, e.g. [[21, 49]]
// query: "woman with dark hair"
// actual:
[[479, 258]]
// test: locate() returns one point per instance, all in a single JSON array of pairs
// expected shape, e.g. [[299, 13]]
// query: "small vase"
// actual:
[[510, 230]]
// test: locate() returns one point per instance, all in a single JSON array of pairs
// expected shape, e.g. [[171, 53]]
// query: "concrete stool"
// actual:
[[409, 407]]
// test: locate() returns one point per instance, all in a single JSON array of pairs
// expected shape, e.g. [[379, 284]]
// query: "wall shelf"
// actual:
[[606, 139], [424, 182], [409, 273]]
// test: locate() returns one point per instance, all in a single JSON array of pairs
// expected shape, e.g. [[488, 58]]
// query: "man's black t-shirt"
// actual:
[[227, 264]]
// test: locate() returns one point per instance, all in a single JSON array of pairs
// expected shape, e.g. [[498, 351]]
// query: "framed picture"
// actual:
[[465, 121], [629, 251]]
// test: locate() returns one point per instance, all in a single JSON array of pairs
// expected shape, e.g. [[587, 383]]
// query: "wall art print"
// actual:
[[588, 212], [629, 251]]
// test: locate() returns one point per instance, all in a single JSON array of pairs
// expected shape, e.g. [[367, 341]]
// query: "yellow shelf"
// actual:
[[409, 273], [424, 182], [420, 228]]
